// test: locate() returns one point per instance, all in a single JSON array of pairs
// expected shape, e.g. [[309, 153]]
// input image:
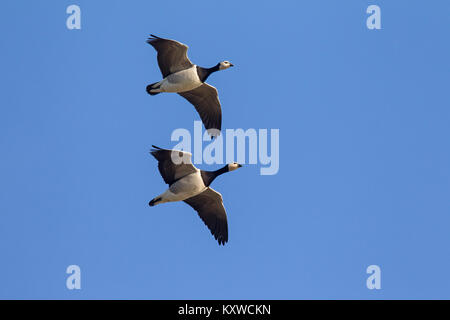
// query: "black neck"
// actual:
[[209, 176], [203, 73]]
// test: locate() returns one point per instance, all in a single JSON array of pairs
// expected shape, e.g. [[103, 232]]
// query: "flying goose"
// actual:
[[180, 75], [191, 185]]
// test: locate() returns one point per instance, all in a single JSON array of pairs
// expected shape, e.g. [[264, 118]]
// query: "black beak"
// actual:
[[239, 165], [231, 65]]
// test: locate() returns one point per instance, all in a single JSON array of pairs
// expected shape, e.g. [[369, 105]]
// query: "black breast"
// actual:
[[208, 177], [203, 73]]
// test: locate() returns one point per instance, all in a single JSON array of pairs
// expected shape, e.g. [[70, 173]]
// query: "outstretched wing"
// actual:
[[173, 164], [209, 206], [172, 55], [206, 101]]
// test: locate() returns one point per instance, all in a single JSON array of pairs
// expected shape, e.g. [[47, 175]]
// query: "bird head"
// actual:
[[233, 166], [225, 65]]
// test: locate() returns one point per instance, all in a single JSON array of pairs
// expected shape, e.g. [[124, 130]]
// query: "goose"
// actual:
[[180, 75], [191, 185]]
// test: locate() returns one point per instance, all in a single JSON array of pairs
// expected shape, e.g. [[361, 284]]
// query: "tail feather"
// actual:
[[150, 87], [154, 201]]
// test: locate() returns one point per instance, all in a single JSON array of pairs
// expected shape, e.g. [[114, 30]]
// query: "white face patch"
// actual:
[[233, 166], [225, 65]]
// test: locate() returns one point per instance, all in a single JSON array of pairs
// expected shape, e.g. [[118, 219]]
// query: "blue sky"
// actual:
[[364, 151]]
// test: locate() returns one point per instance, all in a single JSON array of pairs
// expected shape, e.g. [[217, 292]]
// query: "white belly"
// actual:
[[185, 80], [187, 187]]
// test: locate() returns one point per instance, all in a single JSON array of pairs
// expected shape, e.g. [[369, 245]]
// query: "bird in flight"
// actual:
[[180, 75], [191, 185]]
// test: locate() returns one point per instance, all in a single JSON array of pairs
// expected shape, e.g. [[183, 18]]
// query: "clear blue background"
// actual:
[[364, 150]]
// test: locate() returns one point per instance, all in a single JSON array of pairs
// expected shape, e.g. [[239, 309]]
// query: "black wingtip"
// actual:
[[220, 239], [155, 150], [152, 38]]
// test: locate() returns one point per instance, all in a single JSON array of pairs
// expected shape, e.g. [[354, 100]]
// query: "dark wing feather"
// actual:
[[172, 55], [206, 101], [209, 206], [169, 170]]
